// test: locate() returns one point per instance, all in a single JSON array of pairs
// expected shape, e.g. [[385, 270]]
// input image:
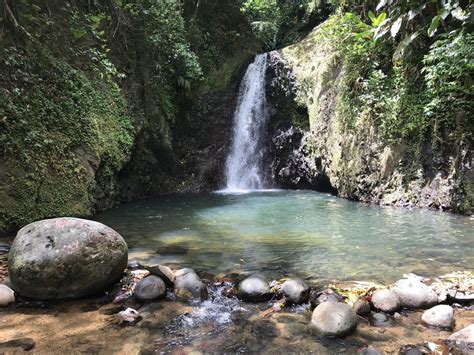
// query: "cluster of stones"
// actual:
[[67, 258], [335, 318]]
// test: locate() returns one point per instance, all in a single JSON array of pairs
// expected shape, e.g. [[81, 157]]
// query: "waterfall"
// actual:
[[244, 163]]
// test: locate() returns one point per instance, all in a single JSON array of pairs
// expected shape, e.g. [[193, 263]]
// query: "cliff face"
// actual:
[[357, 158], [102, 103]]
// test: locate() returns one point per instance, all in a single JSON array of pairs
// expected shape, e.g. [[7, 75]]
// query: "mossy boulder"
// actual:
[[65, 258]]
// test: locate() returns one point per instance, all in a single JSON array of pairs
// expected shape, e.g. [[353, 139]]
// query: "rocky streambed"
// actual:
[[165, 308]]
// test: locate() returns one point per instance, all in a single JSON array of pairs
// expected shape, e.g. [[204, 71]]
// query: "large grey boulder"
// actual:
[[188, 286], [333, 319], [386, 300], [65, 258], [296, 291], [149, 289], [415, 294], [441, 316], [254, 288], [7, 296], [465, 335]]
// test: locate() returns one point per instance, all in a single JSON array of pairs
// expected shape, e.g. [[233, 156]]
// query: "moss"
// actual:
[[58, 125]]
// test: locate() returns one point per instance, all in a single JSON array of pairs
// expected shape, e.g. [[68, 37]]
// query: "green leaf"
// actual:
[[372, 16], [434, 25]]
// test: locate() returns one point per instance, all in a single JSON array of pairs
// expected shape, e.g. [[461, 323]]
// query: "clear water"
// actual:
[[244, 163], [294, 233]]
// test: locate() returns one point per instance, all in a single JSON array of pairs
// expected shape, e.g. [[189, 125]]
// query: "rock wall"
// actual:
[[357, 162], [91, 116]]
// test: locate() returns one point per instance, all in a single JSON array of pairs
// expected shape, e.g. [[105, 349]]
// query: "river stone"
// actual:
[[415, 294], [7, 296], [149, 289], [296, 291], [65, 258], [188, 286], [362, 308], [441, 316], [254, 288], [465, 335], [333, 319], [386, 300]]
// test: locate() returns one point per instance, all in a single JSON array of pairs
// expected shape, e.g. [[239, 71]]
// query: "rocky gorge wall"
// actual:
[[355, 159], [93, 112]]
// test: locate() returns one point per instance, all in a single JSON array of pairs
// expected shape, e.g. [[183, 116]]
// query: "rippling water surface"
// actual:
[[293, 233]]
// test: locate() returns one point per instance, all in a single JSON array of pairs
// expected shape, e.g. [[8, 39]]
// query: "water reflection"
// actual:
[[297, 233]]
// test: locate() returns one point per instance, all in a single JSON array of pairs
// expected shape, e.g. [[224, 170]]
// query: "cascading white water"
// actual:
[[244, 163]]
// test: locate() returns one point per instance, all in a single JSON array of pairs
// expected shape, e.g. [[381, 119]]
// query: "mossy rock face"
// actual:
[[373, 142], [65, 258]]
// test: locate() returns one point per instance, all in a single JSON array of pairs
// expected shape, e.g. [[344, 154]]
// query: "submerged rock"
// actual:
[[362, 308], [254, 288], [7, 296], [26, 344], [465, 335], [386, 300], [188, 286], [380, 320], [369, 351], [296, 291], [415, 294], [441, 316], [150, 288], [66, 258], [333, 319]]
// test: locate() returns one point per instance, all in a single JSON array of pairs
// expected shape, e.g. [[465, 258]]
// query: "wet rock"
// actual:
[[7, 296], [25, 343], [64, 258], [164, 273], [362, 308], [333, 319], [415, 294], [465, 335], [412, 350], [129, 317], [188, 286], [296, 291], [254, 288], [441, 316], [316, 298], [380, 320], [149, 289], [369, 351], [386, 300]]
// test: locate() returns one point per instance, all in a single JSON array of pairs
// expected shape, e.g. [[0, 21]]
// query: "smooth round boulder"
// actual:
[[415, 294], [188, 286], [295, 291], [333, 319], [386, 300], [149, 289], [7, 296], [465, 335], [441, 316], [64, 258], [254, 288]]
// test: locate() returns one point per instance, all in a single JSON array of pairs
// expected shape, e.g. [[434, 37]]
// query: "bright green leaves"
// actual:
[[377, 20]]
